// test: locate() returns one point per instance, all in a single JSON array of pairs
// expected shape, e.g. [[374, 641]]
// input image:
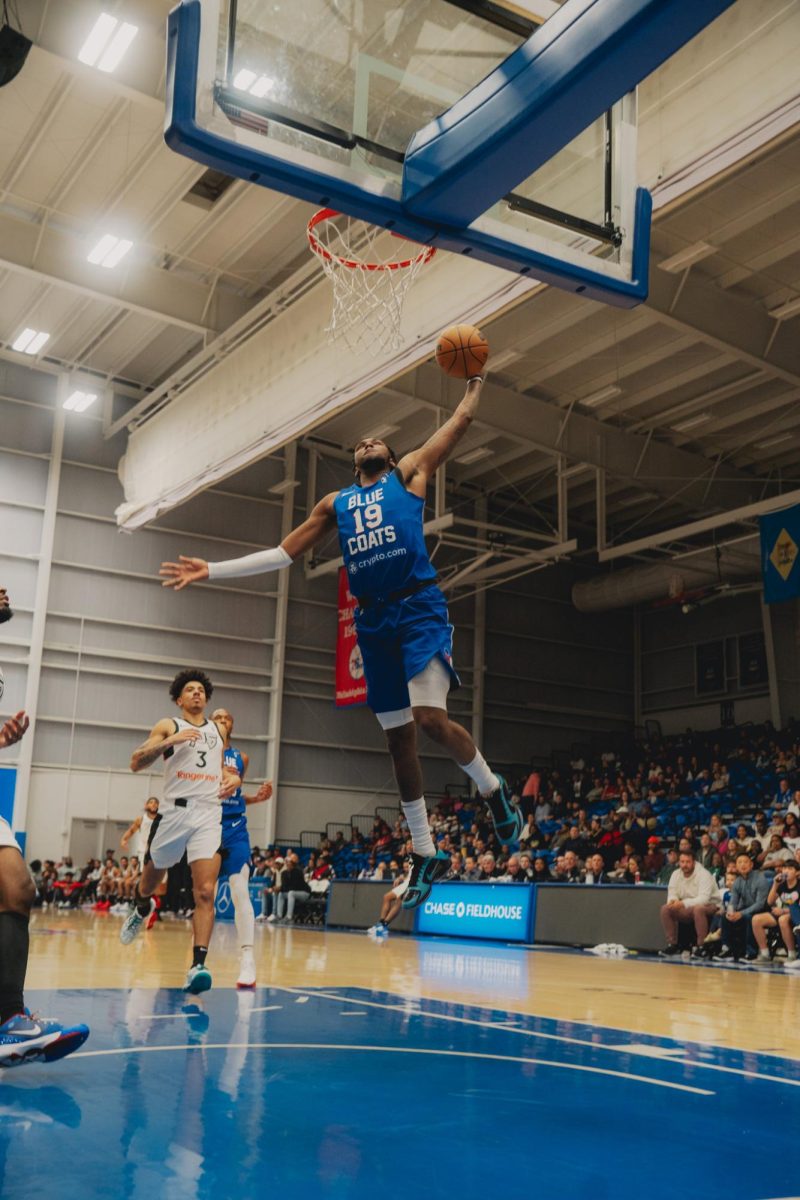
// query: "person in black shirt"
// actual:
[[293, 888]]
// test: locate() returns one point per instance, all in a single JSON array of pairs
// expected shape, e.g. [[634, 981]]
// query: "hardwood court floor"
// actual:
[[744, 1009], [357, 1068]]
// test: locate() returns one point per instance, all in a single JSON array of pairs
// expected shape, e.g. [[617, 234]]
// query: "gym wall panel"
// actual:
[[553, 675], [669, 639], [22, 479]]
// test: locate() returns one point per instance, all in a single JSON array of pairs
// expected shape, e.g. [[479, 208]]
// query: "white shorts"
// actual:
[[6, 836], [195, 829]]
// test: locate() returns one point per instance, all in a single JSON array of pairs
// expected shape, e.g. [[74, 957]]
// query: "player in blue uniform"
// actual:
[[401, 621], [236, 850]]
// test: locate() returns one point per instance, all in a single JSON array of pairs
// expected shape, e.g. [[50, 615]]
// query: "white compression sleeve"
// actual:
[[251, 564], [243, 907]]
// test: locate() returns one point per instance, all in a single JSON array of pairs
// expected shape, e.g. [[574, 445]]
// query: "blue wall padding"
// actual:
[[569, 72]]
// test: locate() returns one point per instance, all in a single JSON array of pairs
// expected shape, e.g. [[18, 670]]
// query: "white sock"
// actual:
[[481, 774], [243, 909], [416, 814]]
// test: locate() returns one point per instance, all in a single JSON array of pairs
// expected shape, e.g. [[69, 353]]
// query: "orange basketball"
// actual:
[[462, 351]]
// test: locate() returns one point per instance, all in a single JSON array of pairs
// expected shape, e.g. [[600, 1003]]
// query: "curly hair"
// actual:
[[190, 675]]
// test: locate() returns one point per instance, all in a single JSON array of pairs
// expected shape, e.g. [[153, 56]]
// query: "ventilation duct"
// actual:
[[667, 580]]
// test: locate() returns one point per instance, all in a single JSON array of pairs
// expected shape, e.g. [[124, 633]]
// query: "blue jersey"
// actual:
[[380, 533], [235, 805]]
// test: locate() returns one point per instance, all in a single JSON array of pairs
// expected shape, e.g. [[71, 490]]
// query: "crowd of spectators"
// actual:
[[710, 816]]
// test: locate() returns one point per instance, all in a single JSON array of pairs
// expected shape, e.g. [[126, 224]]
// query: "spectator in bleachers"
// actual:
[[471, 871], [488, 868], [293, 889], [531, 835], [748, 897], [720, 780], [794, 807], [633, 871], [791, 832], [456, 871], [718, 832], [653, 860], [782, 797], [706, 851], [543, 810], [572, 868], [610, 843], [595, 872], [541, 871], [776, 856], [783, 910], [691, 899], [572, 840]]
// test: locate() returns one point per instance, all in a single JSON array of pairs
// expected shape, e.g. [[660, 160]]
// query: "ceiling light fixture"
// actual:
[[606, 393], [278, 489], [473, 456], [504, 359], [790, 308], [79, 401], [774, 441], [107, 43], [687, 257], [700, 419], [382, 431], [109, 251], [29, 341], [639, 498]]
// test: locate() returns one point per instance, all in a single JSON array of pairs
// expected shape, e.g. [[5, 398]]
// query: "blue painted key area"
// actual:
[[350, 1093]]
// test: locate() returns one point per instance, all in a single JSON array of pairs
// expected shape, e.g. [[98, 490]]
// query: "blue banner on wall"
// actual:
[[780, 554], [8, 782], [498, 911]]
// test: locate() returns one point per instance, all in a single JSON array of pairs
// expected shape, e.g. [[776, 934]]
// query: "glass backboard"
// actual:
[[348, 103]]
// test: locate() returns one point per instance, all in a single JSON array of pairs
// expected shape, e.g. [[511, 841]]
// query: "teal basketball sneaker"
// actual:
[[505, 814], [424, 873]]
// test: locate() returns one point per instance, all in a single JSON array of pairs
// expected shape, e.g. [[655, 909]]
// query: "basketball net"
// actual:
[[370, 279]]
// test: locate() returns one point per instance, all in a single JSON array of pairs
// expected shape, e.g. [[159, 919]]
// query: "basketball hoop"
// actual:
[[370, 281]]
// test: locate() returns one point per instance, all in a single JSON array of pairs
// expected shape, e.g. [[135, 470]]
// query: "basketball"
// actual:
[[462, 351]]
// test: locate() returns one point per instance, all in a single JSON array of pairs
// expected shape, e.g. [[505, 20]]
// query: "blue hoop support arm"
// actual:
[[184, 135], [566, 75]]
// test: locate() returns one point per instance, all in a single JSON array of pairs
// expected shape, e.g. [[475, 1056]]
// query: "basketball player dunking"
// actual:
[[235, 852], [401, 620], [195, 781]]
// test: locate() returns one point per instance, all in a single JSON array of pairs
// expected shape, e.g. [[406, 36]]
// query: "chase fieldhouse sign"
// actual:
[[480, 910]]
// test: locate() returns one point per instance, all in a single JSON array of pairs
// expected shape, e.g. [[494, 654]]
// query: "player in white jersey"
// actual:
[[137, 836], [190, 818]]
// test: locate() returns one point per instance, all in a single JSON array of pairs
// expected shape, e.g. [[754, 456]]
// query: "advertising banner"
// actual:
[[497, 911], [351, 687], [780, 539], [223, 903]]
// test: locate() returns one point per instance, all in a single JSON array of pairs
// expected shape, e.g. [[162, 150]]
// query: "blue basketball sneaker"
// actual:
[[198, 980], [505, 814], [26, 1039], [424, 873]]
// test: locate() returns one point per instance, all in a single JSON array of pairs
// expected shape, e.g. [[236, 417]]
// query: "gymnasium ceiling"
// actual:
[[81, 154]]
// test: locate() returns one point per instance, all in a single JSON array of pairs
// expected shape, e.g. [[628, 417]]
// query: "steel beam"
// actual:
[[664, 469], [682, 532]]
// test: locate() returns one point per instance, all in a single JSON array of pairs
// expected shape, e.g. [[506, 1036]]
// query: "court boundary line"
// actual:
[[556, 1037], [539, 1062]]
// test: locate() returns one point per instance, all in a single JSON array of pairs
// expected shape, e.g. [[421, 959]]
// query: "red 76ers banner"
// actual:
[[351, 687]]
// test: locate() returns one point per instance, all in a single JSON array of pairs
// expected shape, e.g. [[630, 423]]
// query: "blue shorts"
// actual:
[[235, 846], [398, 640]]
